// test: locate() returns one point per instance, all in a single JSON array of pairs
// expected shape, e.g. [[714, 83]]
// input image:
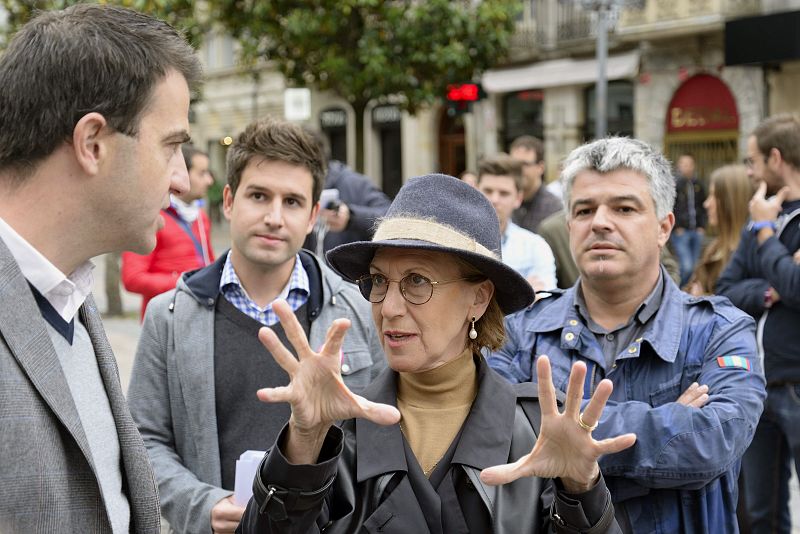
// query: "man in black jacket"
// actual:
[[763, 280], [350, 218], [690, 216]]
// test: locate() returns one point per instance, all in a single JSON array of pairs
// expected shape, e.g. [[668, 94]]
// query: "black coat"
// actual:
[[364, 482], [366, 202], [683, 218]]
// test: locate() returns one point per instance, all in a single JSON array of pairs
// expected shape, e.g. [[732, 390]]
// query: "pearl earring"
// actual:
[[473, 334]]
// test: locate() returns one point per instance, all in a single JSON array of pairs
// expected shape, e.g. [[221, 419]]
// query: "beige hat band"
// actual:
[[430, 231]]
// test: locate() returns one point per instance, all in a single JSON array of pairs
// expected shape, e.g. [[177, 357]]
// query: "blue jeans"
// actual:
[[766, 464], [687, 247]]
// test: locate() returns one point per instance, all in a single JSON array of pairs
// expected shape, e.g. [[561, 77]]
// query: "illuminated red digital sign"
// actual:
[[465, 92]]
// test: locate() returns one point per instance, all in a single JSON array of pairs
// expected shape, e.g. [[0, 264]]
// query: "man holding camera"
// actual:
[[349, 206]]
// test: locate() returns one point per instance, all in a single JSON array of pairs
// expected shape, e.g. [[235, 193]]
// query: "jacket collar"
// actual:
[[486, 437], [494, 408], [203, 284], [373, 459], [662, 332]]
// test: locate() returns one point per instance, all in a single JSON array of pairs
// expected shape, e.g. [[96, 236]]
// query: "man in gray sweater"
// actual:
[[199, 362]]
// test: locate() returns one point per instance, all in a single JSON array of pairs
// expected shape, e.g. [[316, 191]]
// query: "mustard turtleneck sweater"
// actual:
[[434, 405]]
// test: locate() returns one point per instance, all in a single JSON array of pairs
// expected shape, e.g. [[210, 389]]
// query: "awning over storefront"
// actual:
[[559, 72]]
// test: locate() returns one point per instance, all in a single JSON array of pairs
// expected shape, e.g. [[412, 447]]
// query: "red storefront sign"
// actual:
[[702, 103]]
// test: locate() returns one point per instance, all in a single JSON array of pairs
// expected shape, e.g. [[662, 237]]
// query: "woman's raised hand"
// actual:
[[564, 447], [316, 392]]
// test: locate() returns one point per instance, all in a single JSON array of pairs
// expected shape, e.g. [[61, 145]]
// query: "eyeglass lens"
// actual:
[[414, 287]]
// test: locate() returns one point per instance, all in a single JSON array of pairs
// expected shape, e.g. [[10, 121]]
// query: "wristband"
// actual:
[[756, 227]]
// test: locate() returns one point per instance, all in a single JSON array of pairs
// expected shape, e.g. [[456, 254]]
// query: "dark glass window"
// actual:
[[523, 114], [620, 109], [333, 122]]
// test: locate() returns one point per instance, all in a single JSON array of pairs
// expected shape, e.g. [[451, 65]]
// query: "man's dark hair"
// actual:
[[189, 152], [276, 140], [87, 58], [502, 165], [783, 133], [529, 142]]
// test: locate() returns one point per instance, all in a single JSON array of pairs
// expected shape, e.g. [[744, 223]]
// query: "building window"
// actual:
[[386, 121], [523, 115], [333, 123], [620, 109], [219, 52]]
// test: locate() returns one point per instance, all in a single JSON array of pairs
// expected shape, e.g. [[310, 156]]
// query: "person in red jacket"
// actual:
[[183, 244]]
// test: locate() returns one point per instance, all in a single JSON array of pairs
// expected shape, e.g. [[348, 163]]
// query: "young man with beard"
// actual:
[[763, 279], [537, 202]]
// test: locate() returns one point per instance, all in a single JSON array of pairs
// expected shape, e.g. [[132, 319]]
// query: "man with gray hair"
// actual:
[[94, 108], [687, 379]]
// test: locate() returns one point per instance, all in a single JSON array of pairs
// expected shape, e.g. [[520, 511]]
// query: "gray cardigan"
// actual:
[[171, 393]]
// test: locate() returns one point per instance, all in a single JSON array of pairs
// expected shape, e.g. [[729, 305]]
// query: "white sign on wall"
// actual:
[[297, 104]]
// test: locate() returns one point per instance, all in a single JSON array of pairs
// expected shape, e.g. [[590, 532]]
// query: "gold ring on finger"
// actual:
[[583, 425]]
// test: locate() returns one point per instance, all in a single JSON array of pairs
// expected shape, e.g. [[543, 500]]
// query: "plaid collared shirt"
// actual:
[[295, 292]]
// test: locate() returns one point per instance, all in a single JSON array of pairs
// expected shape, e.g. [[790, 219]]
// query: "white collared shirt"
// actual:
[[528, 254], [65, 293]]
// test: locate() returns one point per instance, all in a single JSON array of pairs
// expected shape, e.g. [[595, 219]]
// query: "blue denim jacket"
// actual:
[[681, 475]]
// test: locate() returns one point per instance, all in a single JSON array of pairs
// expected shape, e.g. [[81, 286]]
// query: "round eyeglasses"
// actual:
[[415, 288]]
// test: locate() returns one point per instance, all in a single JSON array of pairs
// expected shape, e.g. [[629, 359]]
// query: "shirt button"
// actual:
[[345, 368], [573, 322], [570, 336], [610, 337], [632, 350]]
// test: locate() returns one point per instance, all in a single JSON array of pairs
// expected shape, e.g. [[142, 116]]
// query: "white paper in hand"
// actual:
[[246, 467]]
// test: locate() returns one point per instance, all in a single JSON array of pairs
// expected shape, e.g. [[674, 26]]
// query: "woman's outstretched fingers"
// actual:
[[503, 474], [594, 408], [616, 444], [277, 394], [280, 354], [547, 393], [334, 339], [577, 376], [381, 414], [294, 330]]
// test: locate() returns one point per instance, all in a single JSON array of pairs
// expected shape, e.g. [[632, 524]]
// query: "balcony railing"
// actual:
[[551, 24], [683, 15]]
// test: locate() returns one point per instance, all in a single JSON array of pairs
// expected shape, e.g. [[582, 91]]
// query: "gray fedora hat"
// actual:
[[440, 213]]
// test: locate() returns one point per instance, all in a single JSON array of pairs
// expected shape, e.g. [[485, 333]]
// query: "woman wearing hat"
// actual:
[[415, 452]]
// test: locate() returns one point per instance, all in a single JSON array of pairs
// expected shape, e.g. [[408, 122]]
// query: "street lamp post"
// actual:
[[604, 9], [601, 89]]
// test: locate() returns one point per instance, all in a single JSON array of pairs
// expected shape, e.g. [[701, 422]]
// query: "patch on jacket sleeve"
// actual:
[[735, 362]]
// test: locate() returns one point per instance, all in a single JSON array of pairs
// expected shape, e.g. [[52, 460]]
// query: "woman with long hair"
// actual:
[[729, 192]]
